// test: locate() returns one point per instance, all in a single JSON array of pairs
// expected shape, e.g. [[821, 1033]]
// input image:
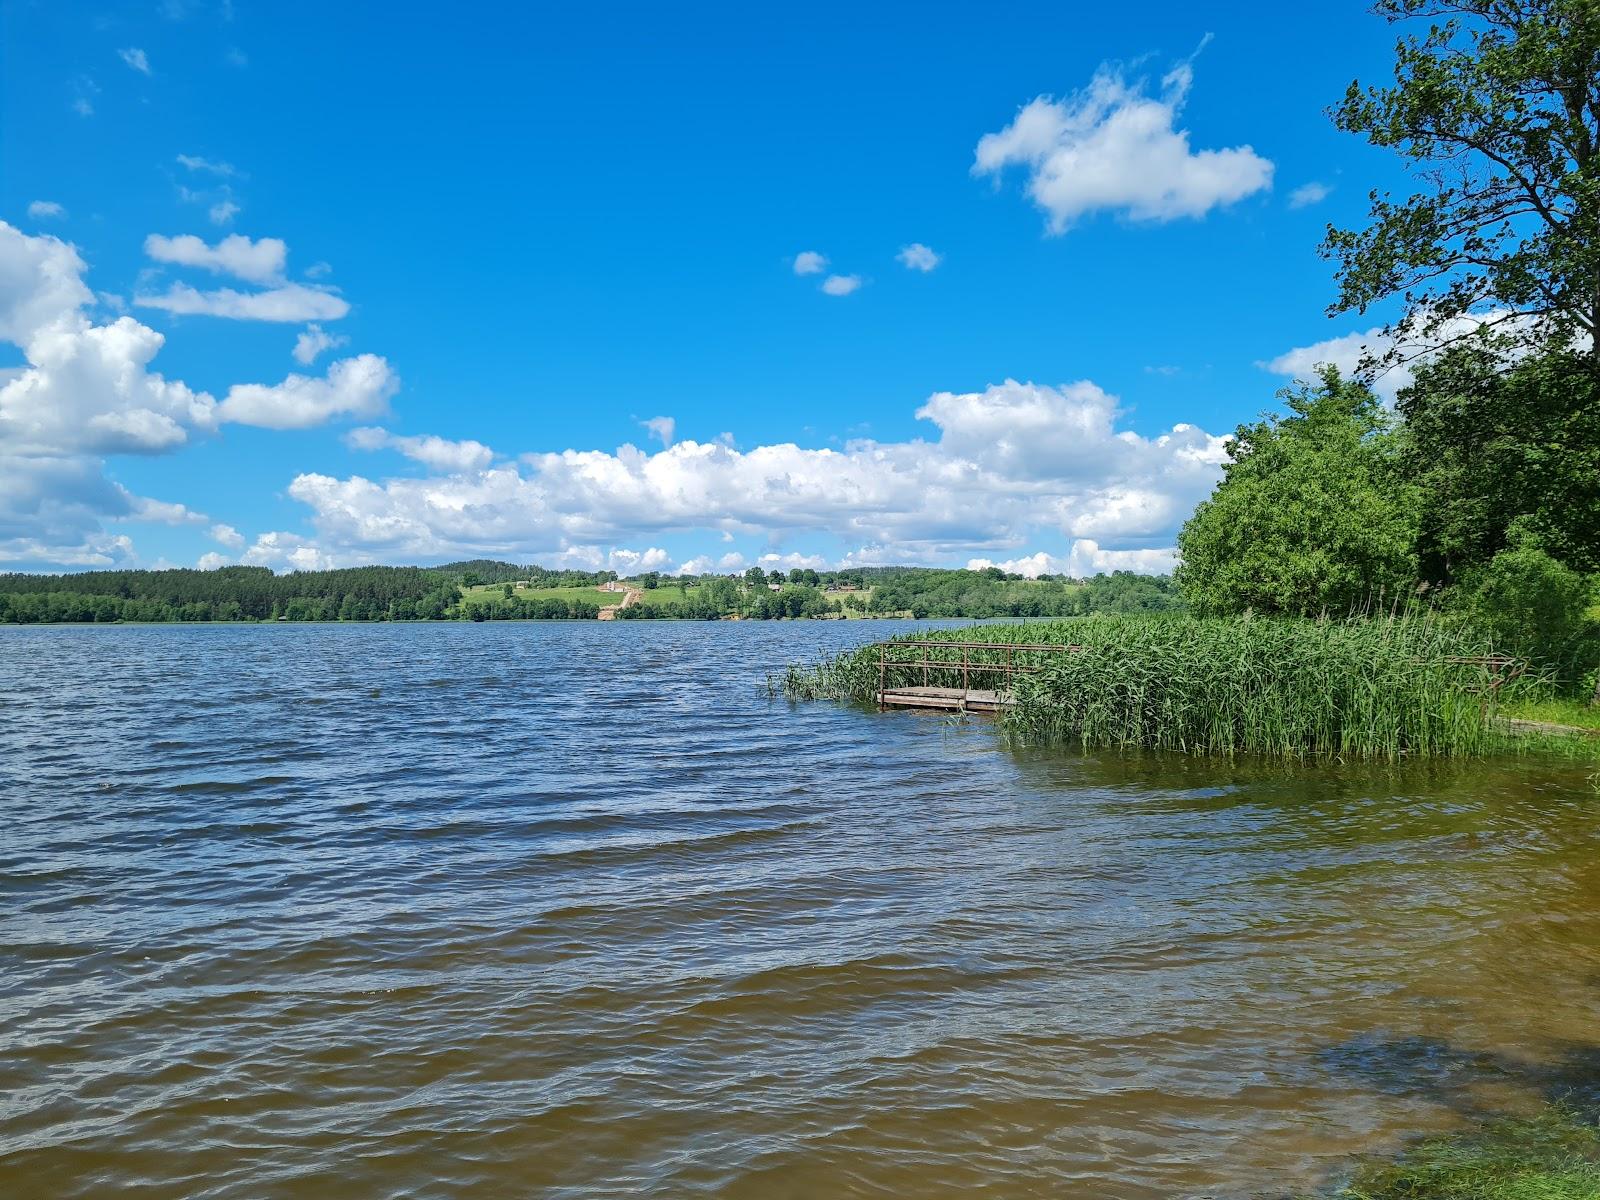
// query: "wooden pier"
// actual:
[[915, 659], [962, 700]]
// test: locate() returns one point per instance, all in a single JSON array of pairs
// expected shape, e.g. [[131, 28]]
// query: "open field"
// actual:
[[667, 594]]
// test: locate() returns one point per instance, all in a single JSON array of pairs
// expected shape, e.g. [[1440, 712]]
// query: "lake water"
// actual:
[[574, 910]]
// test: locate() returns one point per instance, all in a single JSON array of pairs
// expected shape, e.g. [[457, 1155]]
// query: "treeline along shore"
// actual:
[[486, 590]]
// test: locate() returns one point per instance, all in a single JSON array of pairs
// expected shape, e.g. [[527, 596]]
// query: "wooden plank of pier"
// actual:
[[1001, 676], [950, 699]]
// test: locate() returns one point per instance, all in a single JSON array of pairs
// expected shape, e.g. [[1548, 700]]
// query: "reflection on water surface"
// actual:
[[575, 911]]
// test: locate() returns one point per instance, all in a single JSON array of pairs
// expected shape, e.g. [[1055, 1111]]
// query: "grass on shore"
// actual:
[[667, 594], [1370, 688], [1577, 713], [1552, 1156]]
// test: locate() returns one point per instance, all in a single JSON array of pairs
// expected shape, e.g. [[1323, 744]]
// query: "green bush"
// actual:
[[1536, 608]]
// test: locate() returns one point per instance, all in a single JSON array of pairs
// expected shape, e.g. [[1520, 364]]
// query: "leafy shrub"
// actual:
[[1535, 607]]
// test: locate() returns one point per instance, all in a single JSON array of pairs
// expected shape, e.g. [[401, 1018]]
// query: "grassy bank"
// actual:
[[1360, 689], [1578, 714], [1552, 1156]]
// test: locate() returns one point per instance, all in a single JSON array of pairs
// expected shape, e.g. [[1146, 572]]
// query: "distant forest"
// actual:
[[435, 594]]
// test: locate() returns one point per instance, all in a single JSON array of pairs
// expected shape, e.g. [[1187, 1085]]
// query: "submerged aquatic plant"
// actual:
[[1361, 688], [1554, 1155]]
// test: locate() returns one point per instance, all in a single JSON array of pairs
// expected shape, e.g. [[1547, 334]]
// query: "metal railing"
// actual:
[[1007, 669]]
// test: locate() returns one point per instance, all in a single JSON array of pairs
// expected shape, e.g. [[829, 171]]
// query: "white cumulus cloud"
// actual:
[[1349, 351], [917, 257], [261, 261], [135, 58], [1010, 463], [441, 454], [1308, 194], [290, 303], [46, 210], [163, 512], [1029, 566], [841, 285], [227, 536], [1113, 147], [634, 562], [290, 552], [1083, 559], [1087, 558], [809, 262], [312, 341], [661, 428], [88, 390], [84, 391], [353, 387]]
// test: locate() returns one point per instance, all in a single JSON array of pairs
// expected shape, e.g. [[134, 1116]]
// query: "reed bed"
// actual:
[[1375, 688]]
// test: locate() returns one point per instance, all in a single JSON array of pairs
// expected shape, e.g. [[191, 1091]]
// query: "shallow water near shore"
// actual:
[[575, 910]]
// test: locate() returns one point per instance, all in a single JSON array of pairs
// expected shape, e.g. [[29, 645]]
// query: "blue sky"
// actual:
[[528, 235]]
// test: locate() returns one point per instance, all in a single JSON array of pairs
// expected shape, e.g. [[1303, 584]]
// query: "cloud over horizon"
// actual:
[[1015, 464], [87, 391], [1008, 468]]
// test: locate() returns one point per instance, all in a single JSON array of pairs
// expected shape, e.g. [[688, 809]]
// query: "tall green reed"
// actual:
[[1384, 687]]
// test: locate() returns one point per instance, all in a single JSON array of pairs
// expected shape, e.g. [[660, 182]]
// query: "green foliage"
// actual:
[[1489, 442], [1362, 688], [417, 593], [1575, 714], [227, 594], [544, 607], [1312, 514], [1496, 107], [1554, 1155], [1534, 606], [990, 593], [477, 572]]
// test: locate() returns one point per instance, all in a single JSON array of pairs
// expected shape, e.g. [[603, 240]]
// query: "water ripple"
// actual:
[[573, 910]]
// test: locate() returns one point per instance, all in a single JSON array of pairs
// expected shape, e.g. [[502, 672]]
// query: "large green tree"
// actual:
[[1490, 443], [1496, 109], [1312, 513]]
